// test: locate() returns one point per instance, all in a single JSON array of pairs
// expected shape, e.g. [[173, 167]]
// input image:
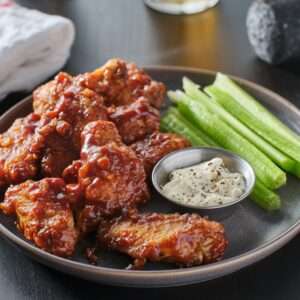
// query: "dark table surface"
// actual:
[[213, 40]]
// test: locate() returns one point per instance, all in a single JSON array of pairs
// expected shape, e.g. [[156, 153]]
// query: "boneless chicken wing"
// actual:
[[121, 83], [46, 96], [21, 148], [73, 106], [111, 175], [67, 100], [136, 120], [43, 209], [152, 148], [186, 240]]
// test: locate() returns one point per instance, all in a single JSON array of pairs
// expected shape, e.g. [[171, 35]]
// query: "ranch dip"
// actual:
[[209, 183]]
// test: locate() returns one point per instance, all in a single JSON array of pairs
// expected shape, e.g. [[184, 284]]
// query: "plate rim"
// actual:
[[170, 277]]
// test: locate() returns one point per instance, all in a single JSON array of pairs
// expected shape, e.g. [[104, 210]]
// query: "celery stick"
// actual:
[[284, 161], [197, 131], [264, 197], [173, 124], [252, 105], [224, 135], [257, 117], [278, 157]]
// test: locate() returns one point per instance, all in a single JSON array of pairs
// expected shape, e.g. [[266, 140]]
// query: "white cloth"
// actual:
[[33, 46]]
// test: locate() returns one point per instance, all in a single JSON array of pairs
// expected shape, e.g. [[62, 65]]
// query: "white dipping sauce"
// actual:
[[207, 184]]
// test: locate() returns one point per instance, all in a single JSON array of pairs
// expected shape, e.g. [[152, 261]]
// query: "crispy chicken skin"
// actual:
[[136, 120], [43, 209], [121, 83], [21, 148], [112, 177], [152, 148], [186, 240]]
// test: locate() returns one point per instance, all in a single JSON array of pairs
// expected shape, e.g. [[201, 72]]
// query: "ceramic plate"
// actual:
[[252, 233]]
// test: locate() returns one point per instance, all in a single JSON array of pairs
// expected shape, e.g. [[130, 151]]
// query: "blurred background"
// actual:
[[215, 39]]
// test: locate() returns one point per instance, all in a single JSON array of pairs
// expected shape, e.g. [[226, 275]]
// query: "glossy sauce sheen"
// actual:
[[44, 213], [155, 146], [112, 176], [184, 239], [21, 147], [100, 132], [136, 120]]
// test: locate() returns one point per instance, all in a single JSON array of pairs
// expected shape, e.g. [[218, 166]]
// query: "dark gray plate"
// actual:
[[252, 233]]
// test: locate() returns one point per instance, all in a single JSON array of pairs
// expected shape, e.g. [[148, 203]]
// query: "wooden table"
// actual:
[[214, 40]]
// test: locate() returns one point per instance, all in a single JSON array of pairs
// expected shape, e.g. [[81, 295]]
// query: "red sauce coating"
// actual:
[[68, 135], [21, 148], [111, 175], [43, 209], [186, 239], [136, 120], [155, 146], [121, 83]]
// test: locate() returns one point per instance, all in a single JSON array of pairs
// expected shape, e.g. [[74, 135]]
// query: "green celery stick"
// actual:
[[265, 198], [272, 176], [209, 141], [171, 123], [257, 117], [278, 157], [284, 161]]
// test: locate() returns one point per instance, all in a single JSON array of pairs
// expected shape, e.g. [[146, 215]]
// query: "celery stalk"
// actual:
[[257, 117], [269, 174], [173, 124], [177, 116], [265, 198], [211, 104]]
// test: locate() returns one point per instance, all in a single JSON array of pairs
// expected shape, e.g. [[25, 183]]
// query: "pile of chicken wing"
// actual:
[[80, 163]]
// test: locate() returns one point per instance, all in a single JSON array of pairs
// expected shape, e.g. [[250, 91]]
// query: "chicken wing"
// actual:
[[111, 176], [186, 240], [21, 148], [44, 213], [74, 106], [94, 135], [151, 149], [136, 120], [46, 96], [67, 99], [121, 83]]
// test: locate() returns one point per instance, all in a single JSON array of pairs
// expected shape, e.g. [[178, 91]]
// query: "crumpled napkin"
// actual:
[[33, 46]]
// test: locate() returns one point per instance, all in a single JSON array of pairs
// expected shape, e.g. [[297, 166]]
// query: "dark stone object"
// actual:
[[274, 29]]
